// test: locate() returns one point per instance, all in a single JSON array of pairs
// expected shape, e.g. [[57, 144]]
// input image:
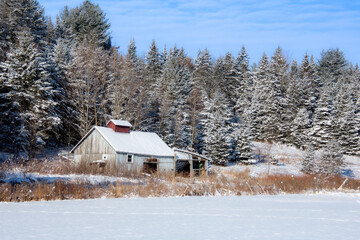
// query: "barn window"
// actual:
[[130, 158]]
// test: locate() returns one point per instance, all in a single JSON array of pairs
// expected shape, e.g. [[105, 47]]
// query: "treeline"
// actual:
[[57, 81]]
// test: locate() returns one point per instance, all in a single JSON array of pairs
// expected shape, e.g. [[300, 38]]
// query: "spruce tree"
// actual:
[[230, 83], [258, 113], [300, 127], [309, 78], [323, 124], [203, 75], [331, 159], [88, 23], [245, 86], [346, 129], [29, 96], [308, 164], [332, 66], [278, 101], [153, 66], [18, 15], [218, 144], [244, 150], [175, 90], [153, 70]]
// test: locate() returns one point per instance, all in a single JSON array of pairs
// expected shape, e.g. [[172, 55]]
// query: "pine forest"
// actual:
[[60, 79]]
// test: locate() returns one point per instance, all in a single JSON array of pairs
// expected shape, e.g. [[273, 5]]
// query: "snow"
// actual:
[[325, 216], [352, 168], [289, 161], [20, 177]]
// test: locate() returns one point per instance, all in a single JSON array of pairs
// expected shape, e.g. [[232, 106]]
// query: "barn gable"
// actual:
[[94, 147]]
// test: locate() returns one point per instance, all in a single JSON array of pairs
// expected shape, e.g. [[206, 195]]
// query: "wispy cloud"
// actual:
[[225, 25]]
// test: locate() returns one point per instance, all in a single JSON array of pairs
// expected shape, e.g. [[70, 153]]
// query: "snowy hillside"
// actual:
[[289, 161], [248, 217]]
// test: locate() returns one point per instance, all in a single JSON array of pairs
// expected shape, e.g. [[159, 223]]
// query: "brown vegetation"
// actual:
[[158, 184]]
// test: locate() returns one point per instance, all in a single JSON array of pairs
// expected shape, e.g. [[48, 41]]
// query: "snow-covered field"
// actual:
[[325, 216], [20, 177]]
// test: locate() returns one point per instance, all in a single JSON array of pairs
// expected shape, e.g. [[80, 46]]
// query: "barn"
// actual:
[[118, 147]]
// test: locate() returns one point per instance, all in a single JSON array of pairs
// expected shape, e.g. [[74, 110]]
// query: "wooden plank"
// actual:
[[192, 153], [191, 168]]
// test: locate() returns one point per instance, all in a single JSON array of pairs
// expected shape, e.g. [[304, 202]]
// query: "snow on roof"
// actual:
[[120, 123], [184, 154], [143, 143]]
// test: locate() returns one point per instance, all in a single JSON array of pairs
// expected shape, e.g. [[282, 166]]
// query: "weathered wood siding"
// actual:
[[164, 163], [93, 148]]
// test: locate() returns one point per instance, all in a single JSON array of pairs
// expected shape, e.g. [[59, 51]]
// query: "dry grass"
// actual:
[[158, 184]]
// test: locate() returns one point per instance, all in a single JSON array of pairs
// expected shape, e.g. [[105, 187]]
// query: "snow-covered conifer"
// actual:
[[203, 75], [321, 131], [308, 164], [245, 85], [29, 94], [217, 129], [331, 159], [175, 91], [88, 23]]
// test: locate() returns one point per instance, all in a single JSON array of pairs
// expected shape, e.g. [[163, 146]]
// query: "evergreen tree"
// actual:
[[300, 127], [230, 83], [331, 159], [87, 23], [30, 115], [308, 161], [218, 143], [175, 90], [278, 101], [245, 85], [15, 17], [346, 129], [311, 83], [323, 121], [153, 66], [203, 73], [131, 53], [243, 151], [63, 25], [271, 101], [152, 76], [202, 84], [332, 66], [258, 112]]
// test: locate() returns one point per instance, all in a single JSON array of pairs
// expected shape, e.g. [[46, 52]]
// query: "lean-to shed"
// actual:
[[119, 147]]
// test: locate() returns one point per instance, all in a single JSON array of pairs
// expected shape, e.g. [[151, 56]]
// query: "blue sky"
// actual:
[[225, 25]]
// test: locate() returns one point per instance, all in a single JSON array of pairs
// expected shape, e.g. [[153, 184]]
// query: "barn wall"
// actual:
[[165, 163], [93, 148]]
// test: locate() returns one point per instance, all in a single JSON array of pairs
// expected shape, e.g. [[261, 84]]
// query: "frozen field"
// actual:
[[326, 216]]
